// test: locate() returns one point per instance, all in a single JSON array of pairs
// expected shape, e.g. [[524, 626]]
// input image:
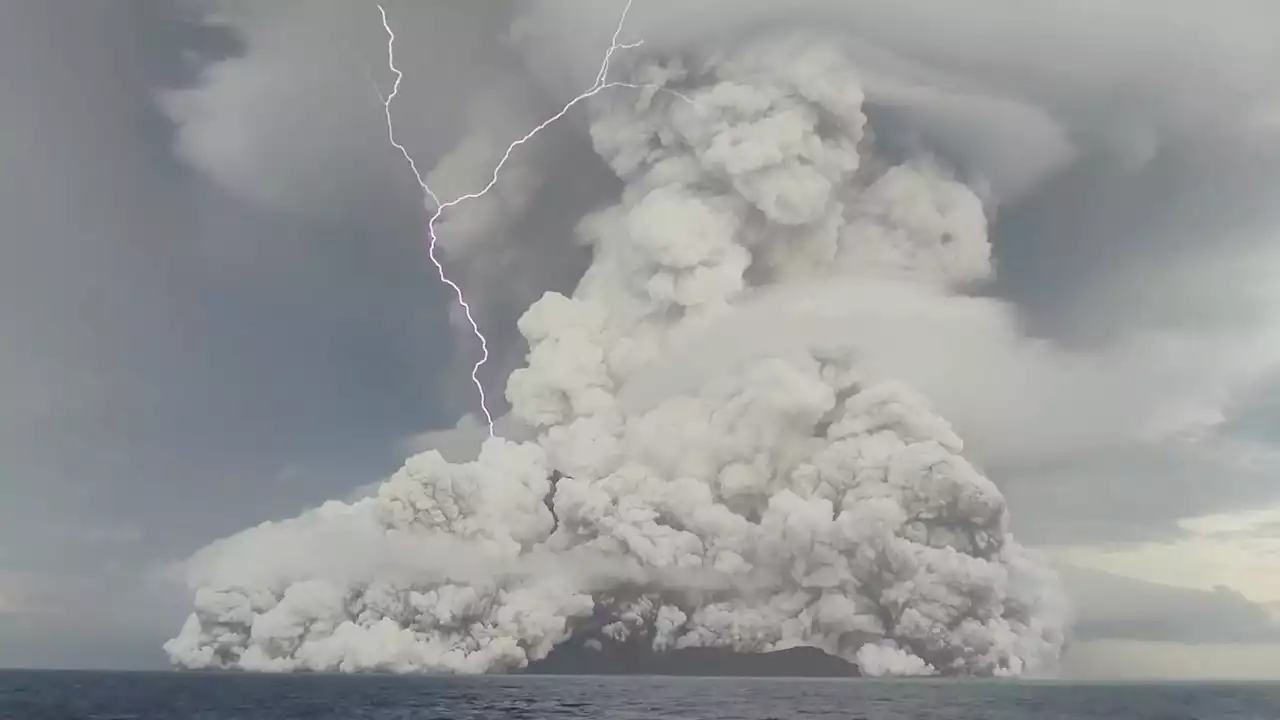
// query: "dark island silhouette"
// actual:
[[576, 659]]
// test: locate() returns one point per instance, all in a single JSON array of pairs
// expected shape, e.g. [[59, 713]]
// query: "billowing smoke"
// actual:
[[749, 500]]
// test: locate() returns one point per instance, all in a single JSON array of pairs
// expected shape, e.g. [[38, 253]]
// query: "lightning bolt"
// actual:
[[601, 84]]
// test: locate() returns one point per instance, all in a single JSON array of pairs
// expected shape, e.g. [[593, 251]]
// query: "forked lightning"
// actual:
[[600, 84]]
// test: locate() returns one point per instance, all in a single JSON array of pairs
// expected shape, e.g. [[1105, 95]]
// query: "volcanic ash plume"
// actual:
[[783, 501]]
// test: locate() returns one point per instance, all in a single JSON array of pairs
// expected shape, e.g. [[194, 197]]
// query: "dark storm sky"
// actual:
[[176, 364]]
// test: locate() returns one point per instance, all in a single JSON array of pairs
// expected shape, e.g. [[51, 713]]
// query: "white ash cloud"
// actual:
[[801, 498]]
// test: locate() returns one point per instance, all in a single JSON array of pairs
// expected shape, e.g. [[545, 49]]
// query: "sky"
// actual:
[[216, 308], [177, 363]]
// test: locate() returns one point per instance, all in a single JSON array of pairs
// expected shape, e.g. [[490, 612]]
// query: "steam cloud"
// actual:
[[753, 500]]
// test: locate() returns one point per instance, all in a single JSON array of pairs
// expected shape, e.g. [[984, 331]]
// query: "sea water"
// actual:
[[179, 696]]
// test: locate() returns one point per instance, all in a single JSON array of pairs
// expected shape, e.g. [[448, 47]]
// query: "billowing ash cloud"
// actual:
[[806, 497]]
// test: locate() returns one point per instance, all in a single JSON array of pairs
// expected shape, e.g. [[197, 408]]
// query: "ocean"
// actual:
[[182, 696]]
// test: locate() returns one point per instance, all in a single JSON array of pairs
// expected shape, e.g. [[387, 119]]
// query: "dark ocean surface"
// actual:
[[175, 696]]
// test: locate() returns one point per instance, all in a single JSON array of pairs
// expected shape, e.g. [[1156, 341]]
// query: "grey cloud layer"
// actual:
[[1111, 606], [167, 347]]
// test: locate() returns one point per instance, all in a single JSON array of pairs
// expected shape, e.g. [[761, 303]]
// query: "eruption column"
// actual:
[[725, 449]]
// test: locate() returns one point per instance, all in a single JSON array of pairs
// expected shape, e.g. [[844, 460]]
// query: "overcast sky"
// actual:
[[209, 320], [177, 363]]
